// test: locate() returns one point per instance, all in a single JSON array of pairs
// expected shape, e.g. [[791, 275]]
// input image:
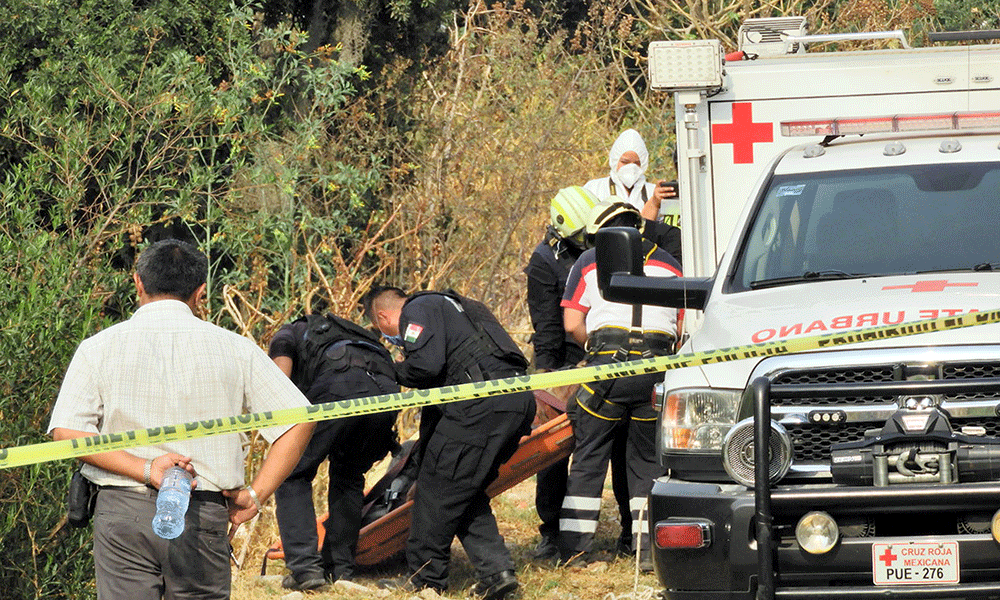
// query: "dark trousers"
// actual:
[[133, 563], [352, 446], [626, 402], [451, 497], [619, 481], [550, 489]]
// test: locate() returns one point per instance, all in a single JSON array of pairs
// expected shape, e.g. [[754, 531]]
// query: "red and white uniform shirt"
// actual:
[[583, 295]]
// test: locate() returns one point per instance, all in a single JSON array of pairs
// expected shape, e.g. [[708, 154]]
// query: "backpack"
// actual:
[[333, 343]]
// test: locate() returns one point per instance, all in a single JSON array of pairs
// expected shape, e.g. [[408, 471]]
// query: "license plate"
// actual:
[[915, 563]]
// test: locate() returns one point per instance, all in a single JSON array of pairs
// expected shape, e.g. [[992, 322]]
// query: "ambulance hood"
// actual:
[[839, 306]]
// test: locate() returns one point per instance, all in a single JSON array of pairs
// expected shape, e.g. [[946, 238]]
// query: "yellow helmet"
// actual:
[[613, 212], [568, 212]]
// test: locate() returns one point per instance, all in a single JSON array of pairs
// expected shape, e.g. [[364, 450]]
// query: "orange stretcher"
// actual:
[[385, 537]]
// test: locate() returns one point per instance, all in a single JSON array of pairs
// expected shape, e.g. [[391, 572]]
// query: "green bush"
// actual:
[[49, 307], [123, 123]]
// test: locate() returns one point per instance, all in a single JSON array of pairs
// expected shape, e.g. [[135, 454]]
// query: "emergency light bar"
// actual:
[[685, 65], [892, 124]]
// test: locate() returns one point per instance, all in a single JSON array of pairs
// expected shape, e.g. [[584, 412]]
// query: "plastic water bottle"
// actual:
[[172, 503]]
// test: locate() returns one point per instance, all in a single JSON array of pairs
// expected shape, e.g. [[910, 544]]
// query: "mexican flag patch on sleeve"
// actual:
[[413, 332]]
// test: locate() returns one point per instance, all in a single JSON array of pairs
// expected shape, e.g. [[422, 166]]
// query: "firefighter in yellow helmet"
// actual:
[[547, 270]]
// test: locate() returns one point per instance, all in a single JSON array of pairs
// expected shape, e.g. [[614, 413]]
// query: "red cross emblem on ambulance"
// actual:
[[934, 285], [742, 133], [888, 557]]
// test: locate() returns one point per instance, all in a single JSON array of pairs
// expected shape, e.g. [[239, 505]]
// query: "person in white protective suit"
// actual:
[[627, 161]]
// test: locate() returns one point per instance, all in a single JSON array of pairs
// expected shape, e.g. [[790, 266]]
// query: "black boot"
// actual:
[[497, 586]]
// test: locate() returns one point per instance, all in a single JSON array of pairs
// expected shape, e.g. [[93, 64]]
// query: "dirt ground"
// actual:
[[610, 579]]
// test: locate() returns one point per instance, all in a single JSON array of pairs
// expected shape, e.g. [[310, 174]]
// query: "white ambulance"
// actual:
[[826, 191]]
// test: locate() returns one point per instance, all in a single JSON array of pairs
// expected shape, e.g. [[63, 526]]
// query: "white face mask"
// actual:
[[629, 174]]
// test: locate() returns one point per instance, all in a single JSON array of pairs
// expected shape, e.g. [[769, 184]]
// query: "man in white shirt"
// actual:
[[162, 367]]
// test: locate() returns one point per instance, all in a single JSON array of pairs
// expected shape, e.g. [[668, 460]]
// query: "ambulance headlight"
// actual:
[[698, 418], [995, 526], [817, 532]]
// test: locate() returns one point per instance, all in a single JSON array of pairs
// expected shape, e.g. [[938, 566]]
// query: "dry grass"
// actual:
[[515, 511]]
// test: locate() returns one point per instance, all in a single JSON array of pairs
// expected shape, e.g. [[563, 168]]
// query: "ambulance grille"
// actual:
[[867, 374], [812, 442], [971, 371]]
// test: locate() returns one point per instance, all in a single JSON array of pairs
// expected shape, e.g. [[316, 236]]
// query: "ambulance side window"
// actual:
[[776, 240]]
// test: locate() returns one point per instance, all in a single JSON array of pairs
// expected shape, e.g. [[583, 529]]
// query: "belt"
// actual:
[[197, 495], [611, 338], [207, 496]]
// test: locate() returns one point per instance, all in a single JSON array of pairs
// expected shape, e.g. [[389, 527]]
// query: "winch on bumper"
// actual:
[[912, 511]]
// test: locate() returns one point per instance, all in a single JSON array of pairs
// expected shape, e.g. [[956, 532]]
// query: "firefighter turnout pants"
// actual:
[[600, 408]]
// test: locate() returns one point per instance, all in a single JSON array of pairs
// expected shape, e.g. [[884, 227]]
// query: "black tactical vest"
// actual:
[[332, 343], [491, 339]]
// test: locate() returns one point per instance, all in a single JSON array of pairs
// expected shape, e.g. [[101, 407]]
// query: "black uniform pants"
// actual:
[[550, 489], [625, 402], [352, 445], [451, 495]]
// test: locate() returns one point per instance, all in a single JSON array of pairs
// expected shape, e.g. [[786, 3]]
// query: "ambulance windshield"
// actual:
[[873, 222]]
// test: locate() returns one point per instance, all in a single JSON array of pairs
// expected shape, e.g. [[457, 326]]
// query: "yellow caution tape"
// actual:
[[48, 451]]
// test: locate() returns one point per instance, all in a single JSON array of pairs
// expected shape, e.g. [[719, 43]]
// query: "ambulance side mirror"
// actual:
[[620, 277], [619, 250]]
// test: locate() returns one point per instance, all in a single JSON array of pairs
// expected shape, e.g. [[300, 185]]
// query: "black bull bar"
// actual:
[[769, 501]]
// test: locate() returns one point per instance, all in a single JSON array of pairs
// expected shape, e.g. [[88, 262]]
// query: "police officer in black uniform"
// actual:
[[331, 359], [447, 340]]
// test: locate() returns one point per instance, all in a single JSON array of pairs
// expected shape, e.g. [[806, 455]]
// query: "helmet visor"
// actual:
[[578, 239]]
